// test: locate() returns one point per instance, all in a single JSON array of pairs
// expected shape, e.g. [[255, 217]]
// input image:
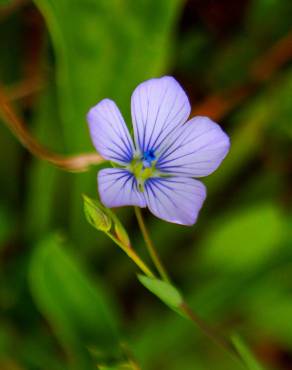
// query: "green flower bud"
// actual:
[[96, 214], [122, 234]]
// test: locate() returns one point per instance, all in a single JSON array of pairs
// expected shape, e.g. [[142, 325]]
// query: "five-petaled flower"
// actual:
[[158, 170]]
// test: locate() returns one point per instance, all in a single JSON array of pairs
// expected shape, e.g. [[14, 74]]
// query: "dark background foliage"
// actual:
[[67, 294]]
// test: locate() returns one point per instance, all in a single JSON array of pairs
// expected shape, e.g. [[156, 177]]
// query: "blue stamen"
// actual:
[[148, 158]]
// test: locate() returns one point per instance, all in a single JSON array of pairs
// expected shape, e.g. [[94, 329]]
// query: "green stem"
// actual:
[[133, 256], [185, 309], [150, 246], [210, 332]]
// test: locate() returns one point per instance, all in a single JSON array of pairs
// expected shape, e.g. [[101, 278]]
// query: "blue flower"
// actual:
[[158, 170]]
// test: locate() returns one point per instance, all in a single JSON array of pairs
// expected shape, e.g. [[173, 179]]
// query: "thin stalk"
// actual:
[[185, 309], [133, 256], [210, 332], [74, 163], [150, 246]]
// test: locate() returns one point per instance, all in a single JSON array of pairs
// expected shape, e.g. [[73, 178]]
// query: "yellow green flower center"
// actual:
[[143, 168]]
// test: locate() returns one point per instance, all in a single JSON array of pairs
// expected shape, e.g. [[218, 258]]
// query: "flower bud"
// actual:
[[96, 214], [122, 234]]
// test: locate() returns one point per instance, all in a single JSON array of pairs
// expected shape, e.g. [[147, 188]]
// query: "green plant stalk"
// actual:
[[133, 256], [184, 308], [150, 246], [246, 355], [210, 332]]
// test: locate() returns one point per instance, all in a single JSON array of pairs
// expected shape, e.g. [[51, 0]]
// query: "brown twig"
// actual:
[[76, 163], [24, 88], [31, 84], [261, 70], [215, 106], [278, 55]]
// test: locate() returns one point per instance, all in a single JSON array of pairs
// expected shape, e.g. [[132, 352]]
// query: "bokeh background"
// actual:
[[68, 296]]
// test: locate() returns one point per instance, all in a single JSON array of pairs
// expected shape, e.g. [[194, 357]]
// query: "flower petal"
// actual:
[[118, 187], [195, 150], [175, 199], [158, 107], [109, 132]]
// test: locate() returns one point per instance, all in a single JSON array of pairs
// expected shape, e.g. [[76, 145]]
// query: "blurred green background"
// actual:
[[68, 296]]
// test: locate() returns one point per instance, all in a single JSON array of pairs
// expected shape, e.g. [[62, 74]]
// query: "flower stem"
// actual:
[[210, 332], [133, 256], [150, 246], [185, 309]]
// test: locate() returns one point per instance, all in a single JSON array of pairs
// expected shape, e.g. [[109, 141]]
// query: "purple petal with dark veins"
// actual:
[[158, 107], [195, 150], [109, 132], [118, 187], [175, 199]]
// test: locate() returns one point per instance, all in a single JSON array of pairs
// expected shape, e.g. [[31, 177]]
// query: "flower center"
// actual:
[[143, 167]]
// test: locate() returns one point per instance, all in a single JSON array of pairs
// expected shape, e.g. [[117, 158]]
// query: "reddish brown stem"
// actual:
[[262, 69], [75, 163]]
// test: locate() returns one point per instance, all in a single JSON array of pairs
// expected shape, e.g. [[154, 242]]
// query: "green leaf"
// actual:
[[41, 175], [267, 302], [96, 214], [163, 290], [245, 354], [244, 240], [77, 308]]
